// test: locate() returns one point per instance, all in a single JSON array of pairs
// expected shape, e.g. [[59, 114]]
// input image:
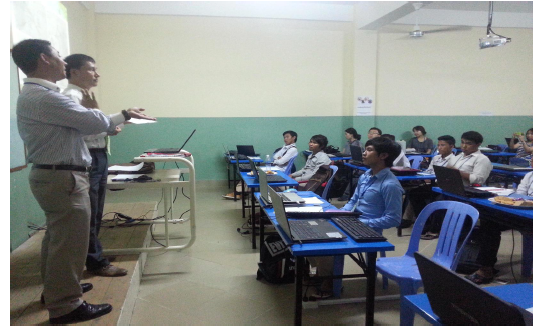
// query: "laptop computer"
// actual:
[[242, 167], [357, 155], [246, 150], [450, 180], [457, 301], [269, 178], [512, 168], [170, 150], [305, 230], [288, 198]]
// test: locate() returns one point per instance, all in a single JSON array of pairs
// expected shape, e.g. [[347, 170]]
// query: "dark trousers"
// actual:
[[98, 183], [490, 237], [419, 198]]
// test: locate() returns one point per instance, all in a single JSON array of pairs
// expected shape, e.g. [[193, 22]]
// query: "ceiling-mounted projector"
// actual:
[[493, 41]]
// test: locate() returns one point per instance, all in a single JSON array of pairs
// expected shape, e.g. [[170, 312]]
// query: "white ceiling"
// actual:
[[370, 15]]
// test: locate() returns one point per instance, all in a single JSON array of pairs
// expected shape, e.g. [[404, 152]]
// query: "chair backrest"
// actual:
[[415, 161], [330, 181], [449, 247], [288, 169]]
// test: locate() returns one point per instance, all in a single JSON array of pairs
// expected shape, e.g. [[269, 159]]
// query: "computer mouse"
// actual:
[[291, 190]]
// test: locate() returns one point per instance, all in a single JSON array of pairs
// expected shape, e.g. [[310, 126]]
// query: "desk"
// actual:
[[514, 176], [521, 220], [307, 153], [231, 161], [503, 155], [518, 294], [339, 248], [252, 183], [169, 179], [424, 155]]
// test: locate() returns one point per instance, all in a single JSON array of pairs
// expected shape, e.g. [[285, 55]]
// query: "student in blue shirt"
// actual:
[[378, 196]]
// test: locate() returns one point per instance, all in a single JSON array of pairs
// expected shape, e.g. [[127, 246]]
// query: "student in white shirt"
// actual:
[[401, 160], [282, 157], [474, 166]]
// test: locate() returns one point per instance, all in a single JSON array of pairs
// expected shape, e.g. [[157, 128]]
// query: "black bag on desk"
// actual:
[[277, 264]]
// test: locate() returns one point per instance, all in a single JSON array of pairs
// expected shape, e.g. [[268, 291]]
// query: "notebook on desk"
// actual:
[[170, 150], [450, 180], [457, 301], [288, 198], [306, 230]]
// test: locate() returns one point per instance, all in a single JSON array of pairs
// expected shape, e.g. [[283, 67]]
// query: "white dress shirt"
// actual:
[[438, 160], [526, 185], [476, 164], [401, 160], [52, 125], [283, 156]]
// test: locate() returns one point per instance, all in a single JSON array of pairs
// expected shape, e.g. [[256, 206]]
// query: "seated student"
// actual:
[[490, 238], [374, 132], [287, 152], [280, 158], [420, 142], [401, 160], [318, 157], [421, 196], [474, 166], [378, 196], [525, 144], [352, 138]]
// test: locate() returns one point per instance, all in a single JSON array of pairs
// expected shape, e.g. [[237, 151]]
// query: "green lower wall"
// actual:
[[264, 133], [23, 208]]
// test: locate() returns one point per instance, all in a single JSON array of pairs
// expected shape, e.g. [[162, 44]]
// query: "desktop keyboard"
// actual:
[[318, 215], [244, 167], [357, 230]]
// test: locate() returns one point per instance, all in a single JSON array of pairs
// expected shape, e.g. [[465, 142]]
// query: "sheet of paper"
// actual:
[[304, 209], [312, 201], [141, 121], [126, 168]]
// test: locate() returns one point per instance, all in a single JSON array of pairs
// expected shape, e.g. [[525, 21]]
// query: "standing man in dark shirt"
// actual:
[[52, 126]]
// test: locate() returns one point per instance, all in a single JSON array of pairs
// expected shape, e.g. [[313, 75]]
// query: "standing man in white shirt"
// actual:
[[282, 157], [81, 73], [51, 126]]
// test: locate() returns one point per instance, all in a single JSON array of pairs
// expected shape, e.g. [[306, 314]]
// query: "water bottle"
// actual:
[[268, 163]]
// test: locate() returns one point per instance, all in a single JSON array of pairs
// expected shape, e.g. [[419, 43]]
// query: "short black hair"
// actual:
[[321, 140], [473, 136], [379, 130], [353, 132], [26, 53], [292, 133], [385, 145], [420, 128], [391, 137], [447, 138], [76, 61]]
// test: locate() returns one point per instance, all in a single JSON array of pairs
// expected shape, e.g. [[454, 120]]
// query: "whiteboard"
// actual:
[[17, 149]]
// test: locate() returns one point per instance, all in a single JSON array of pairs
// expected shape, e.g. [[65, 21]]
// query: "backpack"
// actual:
[[314, 184], [277, 265], [341, 180], [331, 149]]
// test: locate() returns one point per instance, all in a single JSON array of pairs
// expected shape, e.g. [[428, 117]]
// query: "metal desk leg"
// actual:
[[253, 224], [261, 233], [300, 266], [235, 169], [242, 198], [371, 283]]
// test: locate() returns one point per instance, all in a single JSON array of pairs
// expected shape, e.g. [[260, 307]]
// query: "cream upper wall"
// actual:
[[221, 67], [446, 74]]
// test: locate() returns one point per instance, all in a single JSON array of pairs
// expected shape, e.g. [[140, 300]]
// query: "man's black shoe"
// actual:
[[83, 313], [405, 223], [86, 287]]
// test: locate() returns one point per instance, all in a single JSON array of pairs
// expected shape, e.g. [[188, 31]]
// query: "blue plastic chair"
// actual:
[[404, 269], [288, 169], [415, 161], [330, 181]]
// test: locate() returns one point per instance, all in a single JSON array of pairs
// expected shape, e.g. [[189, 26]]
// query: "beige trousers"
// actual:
[[64, 197]]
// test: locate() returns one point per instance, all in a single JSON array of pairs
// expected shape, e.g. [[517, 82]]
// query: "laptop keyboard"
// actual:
[[302, 231], [275, 178], [244, 167], [357, 230]]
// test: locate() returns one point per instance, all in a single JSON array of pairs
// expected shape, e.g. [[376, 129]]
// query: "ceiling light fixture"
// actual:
[[492, 39]]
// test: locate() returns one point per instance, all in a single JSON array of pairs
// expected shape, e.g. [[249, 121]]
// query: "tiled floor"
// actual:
[[214, 281]]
